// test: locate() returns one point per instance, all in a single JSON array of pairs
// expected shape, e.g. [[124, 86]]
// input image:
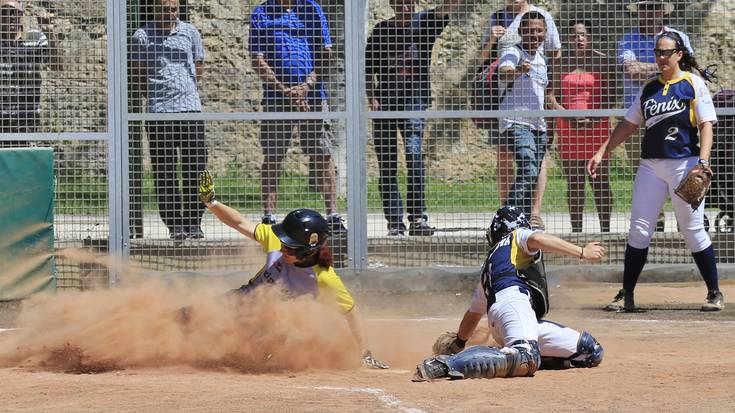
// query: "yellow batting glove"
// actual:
[[206, 187]]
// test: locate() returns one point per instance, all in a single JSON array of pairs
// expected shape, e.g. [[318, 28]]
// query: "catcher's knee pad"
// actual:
[[589, 352], [522, 358]]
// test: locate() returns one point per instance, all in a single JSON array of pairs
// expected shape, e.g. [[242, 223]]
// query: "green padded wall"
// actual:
[[26, 222]]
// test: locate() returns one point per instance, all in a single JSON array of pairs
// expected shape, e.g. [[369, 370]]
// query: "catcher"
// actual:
[[298, 259], [513, 293], [677, 111]]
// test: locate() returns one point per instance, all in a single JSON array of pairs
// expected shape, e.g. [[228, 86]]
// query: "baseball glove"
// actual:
[[206, 187], [448, 344], [694, 186]]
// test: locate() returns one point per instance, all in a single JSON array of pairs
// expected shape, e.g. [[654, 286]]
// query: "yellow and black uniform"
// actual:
[[320, 282]]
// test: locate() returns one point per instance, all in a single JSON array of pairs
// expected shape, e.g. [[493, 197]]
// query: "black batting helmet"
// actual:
[[302, 230], [506, 220]]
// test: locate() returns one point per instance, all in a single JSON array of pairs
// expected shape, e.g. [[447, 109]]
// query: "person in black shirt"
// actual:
[[397, 62], [23, 55]]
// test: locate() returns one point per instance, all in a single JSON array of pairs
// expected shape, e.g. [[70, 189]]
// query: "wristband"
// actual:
[[581, 254], [212, 203], [704, 163], [461, 343]]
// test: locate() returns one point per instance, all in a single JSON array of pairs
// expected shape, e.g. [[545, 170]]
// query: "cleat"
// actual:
[[628, 305], [614, 305], [715, 302]]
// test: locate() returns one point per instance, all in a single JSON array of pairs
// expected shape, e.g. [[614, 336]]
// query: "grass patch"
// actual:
[[85, 194]]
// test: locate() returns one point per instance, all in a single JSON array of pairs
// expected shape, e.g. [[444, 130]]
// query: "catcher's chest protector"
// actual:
[[535, 278]]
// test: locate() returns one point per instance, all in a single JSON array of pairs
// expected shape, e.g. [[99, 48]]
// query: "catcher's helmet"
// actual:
[[506, 219], [302, 230]]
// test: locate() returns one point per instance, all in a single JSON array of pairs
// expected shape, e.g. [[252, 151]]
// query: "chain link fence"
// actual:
[[398, 120]]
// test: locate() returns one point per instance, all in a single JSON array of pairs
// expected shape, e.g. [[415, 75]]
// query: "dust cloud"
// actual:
[[141, 325]]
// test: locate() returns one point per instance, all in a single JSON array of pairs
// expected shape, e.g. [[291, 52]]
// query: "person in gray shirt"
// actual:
[[168, 56]]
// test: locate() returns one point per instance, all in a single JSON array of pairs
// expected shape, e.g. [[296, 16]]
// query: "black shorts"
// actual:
[[316, 136]]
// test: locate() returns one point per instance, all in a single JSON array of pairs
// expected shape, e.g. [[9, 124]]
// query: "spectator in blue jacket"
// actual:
[[290, 47]]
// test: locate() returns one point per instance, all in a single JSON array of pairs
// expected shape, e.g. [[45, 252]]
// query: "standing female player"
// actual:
[[298, 259], [678, 114]]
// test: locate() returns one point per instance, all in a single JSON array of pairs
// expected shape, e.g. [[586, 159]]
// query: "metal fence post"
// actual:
[[356, 128], [117, 105]]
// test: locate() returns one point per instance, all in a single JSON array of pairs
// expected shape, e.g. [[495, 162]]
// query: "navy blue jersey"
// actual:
[[503, 262], [672, 111]]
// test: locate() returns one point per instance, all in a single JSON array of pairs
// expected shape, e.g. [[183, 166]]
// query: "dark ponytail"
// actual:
[[322, 257]]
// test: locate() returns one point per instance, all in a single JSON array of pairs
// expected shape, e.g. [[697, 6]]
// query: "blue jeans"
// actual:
[[386, 147], [529, 147]]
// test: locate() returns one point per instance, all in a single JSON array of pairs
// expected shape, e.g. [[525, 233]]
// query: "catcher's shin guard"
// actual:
[[432, 368], [589, 352], [522, 358]]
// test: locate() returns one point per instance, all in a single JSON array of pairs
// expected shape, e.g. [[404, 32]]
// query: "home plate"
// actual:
[[3, 330]]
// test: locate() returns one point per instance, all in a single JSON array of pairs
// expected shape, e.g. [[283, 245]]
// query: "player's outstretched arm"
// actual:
[[229, 216], [357, 326], [592, 252]]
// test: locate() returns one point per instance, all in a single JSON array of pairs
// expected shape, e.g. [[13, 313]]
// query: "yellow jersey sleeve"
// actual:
[[267, 238], [518, 257], [332, 289]]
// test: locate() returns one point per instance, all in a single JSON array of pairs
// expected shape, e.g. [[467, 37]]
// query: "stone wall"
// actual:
[[75, 99]]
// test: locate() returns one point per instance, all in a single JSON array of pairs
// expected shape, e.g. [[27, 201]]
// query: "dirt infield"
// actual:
[[671, 358]]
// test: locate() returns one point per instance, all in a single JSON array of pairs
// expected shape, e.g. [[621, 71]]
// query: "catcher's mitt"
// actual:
[[694, 186], [448, 344]]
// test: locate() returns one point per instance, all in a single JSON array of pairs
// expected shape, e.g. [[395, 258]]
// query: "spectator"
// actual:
[[168, 57], [502, 31], [635, 49], [23, 55], [397, 62], [290, 47], [523, 75], [635, 55], [582, 84]]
